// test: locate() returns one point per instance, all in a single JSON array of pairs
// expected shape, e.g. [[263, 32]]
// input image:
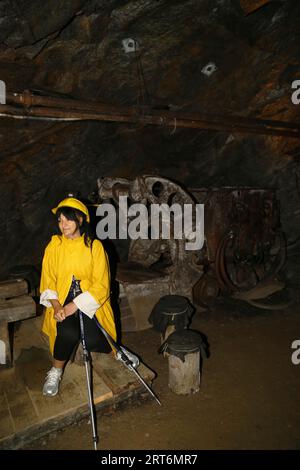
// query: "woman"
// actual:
[[71, 256]]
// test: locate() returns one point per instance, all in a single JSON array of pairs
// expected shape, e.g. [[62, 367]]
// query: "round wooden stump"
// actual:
[[184, 377], [183, 350]]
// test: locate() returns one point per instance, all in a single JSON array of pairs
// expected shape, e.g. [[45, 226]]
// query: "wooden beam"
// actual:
[[13, 288], [17, 308]]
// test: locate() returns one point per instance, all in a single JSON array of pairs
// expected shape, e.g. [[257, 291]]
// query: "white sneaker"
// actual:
[[52, 382]]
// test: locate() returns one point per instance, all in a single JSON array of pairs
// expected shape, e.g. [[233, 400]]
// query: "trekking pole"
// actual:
[[86, 358], [131, 367], [130, 360]]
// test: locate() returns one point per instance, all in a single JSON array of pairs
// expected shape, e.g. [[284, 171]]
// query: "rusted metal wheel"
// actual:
[[238, 271]]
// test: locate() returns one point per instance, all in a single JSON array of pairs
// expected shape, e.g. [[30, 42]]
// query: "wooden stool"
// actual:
[[15, 305], [183, 352]]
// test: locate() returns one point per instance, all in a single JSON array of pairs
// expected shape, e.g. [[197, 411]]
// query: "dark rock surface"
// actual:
[[74, 49]]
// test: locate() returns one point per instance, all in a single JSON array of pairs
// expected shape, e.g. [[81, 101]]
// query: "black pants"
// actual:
[[68, 335]]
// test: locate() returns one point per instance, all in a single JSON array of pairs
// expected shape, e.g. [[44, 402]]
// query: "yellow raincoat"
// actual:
[[64, 258]]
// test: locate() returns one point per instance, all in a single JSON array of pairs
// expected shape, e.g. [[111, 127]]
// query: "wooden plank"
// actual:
[[77, 374], [117, 377], [114, 374], [50, 413], [20, 405], [6, 421], [72, 393], [13, 288], [25, 414], [54, 413], [18, 308]]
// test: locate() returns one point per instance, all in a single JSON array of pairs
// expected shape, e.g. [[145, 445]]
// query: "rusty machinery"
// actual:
[[244, 246], [168, 255]]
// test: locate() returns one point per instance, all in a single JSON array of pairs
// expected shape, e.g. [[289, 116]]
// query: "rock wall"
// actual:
[[191, 56]]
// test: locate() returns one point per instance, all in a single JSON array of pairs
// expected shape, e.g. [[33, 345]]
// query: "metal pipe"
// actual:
[[55, 108], [28, 99]]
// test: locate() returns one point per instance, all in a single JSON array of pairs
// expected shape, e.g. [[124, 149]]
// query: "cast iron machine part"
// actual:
[[181, 265]]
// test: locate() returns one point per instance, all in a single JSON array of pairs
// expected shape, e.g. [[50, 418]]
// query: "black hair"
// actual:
[[73, 214]]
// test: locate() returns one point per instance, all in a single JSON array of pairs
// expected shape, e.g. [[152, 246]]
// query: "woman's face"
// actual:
[[68, 227]]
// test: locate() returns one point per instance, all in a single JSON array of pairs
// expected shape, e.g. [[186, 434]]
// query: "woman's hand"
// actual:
[[59, 311], [70, 309], [59, 314]]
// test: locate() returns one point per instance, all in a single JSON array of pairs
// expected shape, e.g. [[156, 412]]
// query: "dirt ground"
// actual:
[[248, 399]]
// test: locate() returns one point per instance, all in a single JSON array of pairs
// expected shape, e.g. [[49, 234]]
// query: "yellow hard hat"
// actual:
[[75, 204]]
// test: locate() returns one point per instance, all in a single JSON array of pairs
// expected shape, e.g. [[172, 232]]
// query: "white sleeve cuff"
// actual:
[[47, 295], [86, 303]]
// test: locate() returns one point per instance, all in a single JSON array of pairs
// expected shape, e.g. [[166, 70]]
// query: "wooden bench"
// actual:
[[15, 305]]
